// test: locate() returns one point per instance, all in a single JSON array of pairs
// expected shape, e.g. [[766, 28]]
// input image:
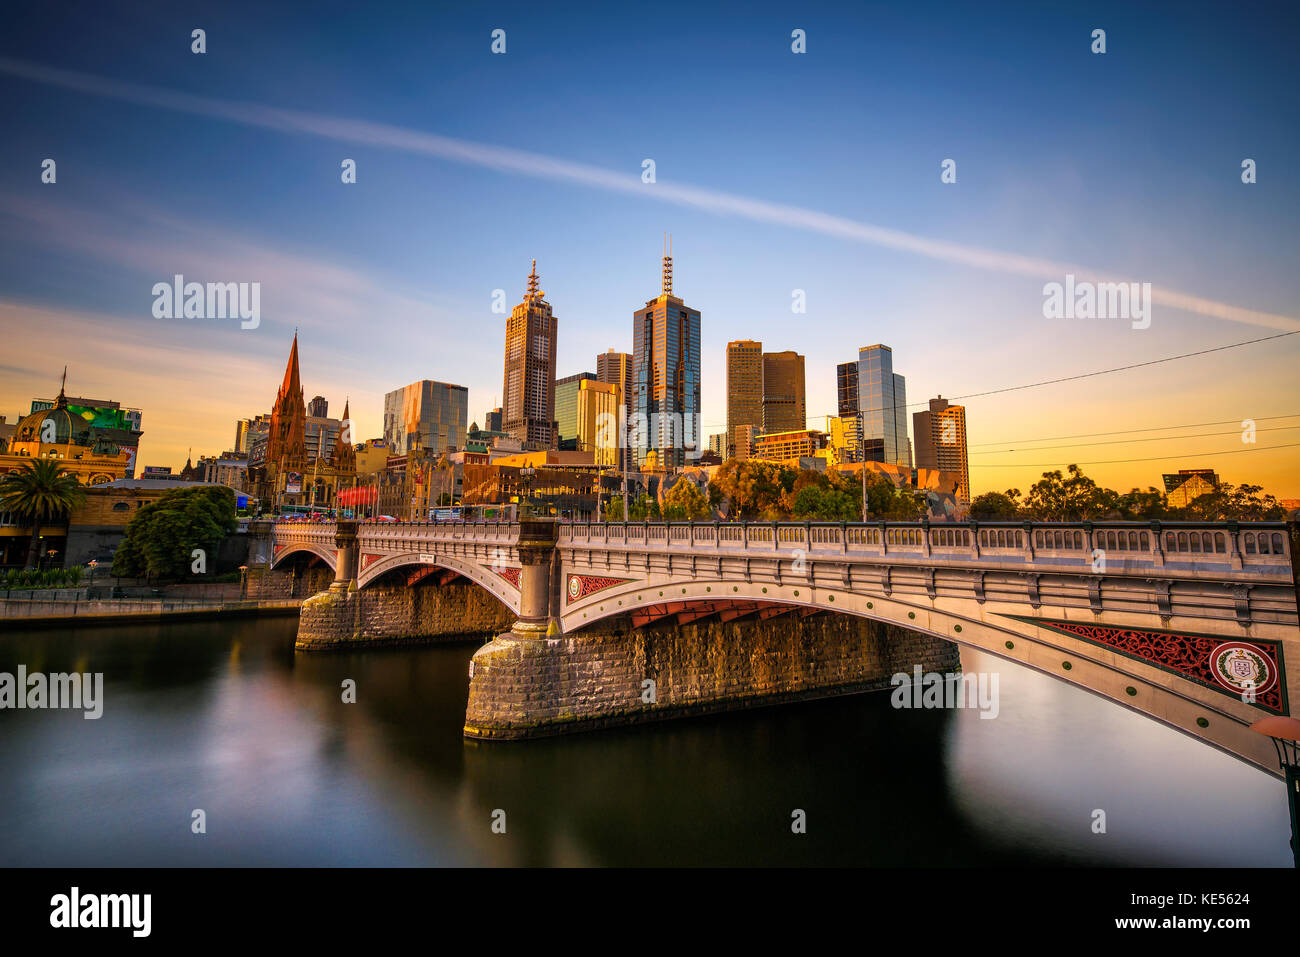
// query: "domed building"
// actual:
[[58, 433], [61, 434]]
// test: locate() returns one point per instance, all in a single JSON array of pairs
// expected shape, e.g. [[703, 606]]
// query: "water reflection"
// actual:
[[223, 716]]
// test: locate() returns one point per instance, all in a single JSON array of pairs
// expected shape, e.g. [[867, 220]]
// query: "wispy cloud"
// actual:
[[546, 167]]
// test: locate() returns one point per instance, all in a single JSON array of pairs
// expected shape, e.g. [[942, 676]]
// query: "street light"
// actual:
[[1285, 733], [527, 473]]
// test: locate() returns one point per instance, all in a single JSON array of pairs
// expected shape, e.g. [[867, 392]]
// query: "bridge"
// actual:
[[1191, 624]]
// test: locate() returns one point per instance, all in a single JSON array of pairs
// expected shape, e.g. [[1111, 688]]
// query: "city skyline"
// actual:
[[83, 254]]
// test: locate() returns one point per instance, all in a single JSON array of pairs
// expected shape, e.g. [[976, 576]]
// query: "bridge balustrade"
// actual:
[[1180, 544]]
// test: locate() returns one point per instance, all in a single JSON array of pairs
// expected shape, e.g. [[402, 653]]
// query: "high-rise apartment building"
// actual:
[[318, 407], [941, 442], [566, 409], [666, 377], [426, 415], [718, 444], [528, 406], [784, 408], [744, 393], [880, 397]]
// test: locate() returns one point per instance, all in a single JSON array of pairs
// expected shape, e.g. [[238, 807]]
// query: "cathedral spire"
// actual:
[[62, 401]]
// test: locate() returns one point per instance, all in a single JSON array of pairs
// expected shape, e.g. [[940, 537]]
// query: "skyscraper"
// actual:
[[941, 442], [426, 415], [598, 405], [566, 410], [318, 407], [666, 376], [882, 403], [744, 392], [528, 406], [615, 368], [784, 408]]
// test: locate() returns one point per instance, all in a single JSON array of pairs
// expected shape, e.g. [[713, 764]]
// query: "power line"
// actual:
[[1152, 438], [1157, 458], [1154, 428]]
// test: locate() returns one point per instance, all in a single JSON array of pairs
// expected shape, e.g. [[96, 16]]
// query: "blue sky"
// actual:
[[1127, 163]]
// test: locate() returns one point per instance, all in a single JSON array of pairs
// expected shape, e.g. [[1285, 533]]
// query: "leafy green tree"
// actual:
[[1072, 498], [753, 488], [644, 509], [161, 537], [614, 509], [684, 502], [996, 506], [41, 491], [818, 504]]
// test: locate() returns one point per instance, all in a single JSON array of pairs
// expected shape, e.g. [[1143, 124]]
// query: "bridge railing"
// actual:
[[1169, 544], [405, 536]]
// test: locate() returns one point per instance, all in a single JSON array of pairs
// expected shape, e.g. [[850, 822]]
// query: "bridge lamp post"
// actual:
[[526, 473], [1285, 733]]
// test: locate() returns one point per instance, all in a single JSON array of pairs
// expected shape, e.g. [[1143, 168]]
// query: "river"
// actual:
[[223, 717]]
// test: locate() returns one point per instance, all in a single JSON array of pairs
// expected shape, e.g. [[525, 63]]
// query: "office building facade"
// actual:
[[528, 386], [426, 415], [666, 378], [940, 435], [744, 393]]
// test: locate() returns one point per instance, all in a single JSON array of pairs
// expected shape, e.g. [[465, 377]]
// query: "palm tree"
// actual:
[[41, 491]]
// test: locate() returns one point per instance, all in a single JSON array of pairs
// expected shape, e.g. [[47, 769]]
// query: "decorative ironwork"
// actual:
[[580, 586], [1242, 669], [509, 574]]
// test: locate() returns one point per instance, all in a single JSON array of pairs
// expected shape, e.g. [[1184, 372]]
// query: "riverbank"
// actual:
[[40, 613]]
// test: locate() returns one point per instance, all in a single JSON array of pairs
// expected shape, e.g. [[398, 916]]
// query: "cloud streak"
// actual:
[[539, 166]]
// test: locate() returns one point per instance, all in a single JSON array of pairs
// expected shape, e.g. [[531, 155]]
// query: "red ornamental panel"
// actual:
[[1236, 668], [509, 574], [580, 586], [368, 560]]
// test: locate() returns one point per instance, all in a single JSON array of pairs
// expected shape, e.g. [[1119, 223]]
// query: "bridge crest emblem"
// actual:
[[580, 586]]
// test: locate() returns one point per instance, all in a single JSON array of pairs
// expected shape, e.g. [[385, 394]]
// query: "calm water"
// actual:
[[223, 716]]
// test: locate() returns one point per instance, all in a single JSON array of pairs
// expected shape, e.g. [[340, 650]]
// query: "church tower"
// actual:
[[286, 448]]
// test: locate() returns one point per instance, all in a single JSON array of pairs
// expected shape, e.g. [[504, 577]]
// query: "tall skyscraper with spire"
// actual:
[[528, 388], [666, 376]]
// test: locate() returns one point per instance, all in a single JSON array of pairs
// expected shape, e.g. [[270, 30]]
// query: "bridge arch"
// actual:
[[328, 555], [1011, 633], [499, 586]]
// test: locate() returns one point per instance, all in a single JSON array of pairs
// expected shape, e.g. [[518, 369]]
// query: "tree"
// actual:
[[1241, 503], [1149, 503], [998, 506], [814, 503], [161, 538], [614, 510], [686, 503], [1056, 498], [41, 491], [753, 488], [885, 500]]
